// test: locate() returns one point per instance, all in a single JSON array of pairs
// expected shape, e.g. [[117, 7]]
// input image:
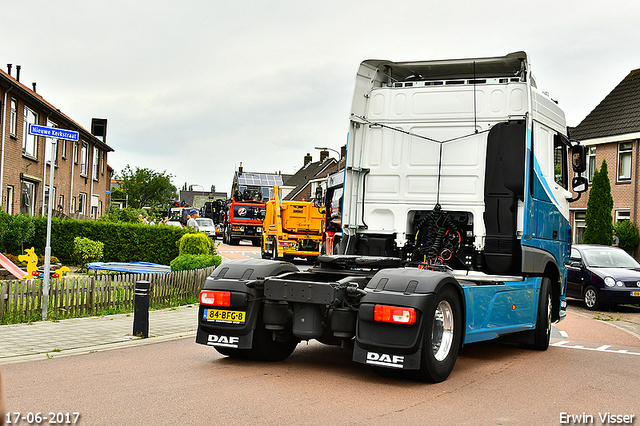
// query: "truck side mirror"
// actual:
[[318, 198], [579, 184], [578, 158]]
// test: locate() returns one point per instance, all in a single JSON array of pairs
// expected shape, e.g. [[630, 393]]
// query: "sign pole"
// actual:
[[47, 249], [54, 133]]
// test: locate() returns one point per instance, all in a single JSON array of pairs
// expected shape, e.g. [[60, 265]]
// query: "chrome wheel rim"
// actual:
[[442, 332], [590, 298]]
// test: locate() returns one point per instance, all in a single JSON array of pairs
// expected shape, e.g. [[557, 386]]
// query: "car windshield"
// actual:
[[204, 221], [609, 258]]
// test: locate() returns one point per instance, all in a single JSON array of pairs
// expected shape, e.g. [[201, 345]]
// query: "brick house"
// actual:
[[302, 185], [612, 132], [81, 176]]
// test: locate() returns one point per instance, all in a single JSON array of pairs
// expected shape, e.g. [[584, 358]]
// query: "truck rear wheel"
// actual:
[[542, 333], [442, 334]]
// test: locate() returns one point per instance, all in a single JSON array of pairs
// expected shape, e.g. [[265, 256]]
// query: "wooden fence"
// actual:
[[73, 297]]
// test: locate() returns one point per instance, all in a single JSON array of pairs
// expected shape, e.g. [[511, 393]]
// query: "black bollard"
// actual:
[[141, 309]]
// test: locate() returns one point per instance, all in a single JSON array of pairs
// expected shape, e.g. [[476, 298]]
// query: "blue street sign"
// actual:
[[52, 132]]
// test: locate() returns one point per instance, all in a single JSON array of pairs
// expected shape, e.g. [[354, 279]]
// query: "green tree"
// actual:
[[15, 231], [147, 188], [118, 193], [628, 235], [598, 218]]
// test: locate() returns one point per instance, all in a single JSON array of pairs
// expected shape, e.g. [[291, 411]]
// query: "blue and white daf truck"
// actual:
[[455, 223]]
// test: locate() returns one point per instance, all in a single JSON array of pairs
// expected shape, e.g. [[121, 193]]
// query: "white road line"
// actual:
[[603, 348]]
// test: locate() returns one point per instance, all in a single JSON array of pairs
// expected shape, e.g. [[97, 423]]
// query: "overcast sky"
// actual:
[[194, 88]]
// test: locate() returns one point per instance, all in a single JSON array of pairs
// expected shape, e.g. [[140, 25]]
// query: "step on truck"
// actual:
[[455, 227], [291, 228]]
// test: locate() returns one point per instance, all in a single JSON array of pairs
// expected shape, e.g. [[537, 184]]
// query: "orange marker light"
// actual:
[[394, 314], [215, 298]]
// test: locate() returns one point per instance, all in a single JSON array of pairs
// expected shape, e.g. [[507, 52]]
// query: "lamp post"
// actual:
[[322, 148]]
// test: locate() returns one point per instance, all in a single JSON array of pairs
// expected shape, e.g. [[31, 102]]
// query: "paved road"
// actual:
[[114, 378], [180, 382]]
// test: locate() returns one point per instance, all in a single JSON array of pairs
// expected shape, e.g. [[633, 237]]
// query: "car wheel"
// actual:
[[442, 334], [591, 299], [274, 249]]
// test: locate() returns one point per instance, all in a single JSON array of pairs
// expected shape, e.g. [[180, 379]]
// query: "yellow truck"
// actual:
[[291, 229]]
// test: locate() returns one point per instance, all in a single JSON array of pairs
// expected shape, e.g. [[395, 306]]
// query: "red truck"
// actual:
[[243, 220]]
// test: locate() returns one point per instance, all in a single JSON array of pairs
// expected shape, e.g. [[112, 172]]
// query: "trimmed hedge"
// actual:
[[123, 242], [195, 244], [187, 262]]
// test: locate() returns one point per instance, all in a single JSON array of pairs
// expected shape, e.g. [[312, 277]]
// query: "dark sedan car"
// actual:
[[602, 275]]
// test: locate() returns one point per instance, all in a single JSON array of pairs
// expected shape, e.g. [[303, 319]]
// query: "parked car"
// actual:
[[207, 226], [174, 223], [602, 275]]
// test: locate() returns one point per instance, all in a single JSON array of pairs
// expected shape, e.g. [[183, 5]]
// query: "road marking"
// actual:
[[603, 348]]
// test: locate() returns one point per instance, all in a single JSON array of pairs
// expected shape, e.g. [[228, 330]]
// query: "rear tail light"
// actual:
[[394, 314], [215, 298]]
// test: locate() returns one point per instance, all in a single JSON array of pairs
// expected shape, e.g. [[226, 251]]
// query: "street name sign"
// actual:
[[53, 132]]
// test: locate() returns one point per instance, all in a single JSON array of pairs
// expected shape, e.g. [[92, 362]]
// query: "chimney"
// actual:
[[307, 159], [34, 86], [343, 151], [99, 128], [323, 154], [18, 73], [9, 68], [240, 168]]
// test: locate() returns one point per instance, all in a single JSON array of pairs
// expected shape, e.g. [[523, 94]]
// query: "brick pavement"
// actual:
[[45, 339]]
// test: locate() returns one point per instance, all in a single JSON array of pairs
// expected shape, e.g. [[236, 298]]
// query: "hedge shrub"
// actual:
[[86, 251], [123, 242], [628, 235], [187, 262], [195, 244]]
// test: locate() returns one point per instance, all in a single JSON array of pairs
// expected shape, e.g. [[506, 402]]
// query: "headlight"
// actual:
[[609, 282], [620, 284]]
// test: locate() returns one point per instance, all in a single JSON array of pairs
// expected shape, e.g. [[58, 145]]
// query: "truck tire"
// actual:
[[542, 333], [442, 335], [265, 348], [274, 249]]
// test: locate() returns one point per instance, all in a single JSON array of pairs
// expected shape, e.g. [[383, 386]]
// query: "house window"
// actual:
[[579, 226], [75, 152], [9, 203], [73, 205], [591, 162], [63, 148], [46, 199], [104, 160], [82, 202], [96, 162], [13, 128], [29, 142], [622, 215], [27, 197], [624, 161], [61, 204], [95, 202], [84, 158]]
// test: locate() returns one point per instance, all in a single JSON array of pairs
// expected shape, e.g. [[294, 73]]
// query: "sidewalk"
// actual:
[[46, 339]]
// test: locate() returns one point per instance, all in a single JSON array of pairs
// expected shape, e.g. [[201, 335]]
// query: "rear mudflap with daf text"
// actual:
[[390, 345], [233, 326]]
